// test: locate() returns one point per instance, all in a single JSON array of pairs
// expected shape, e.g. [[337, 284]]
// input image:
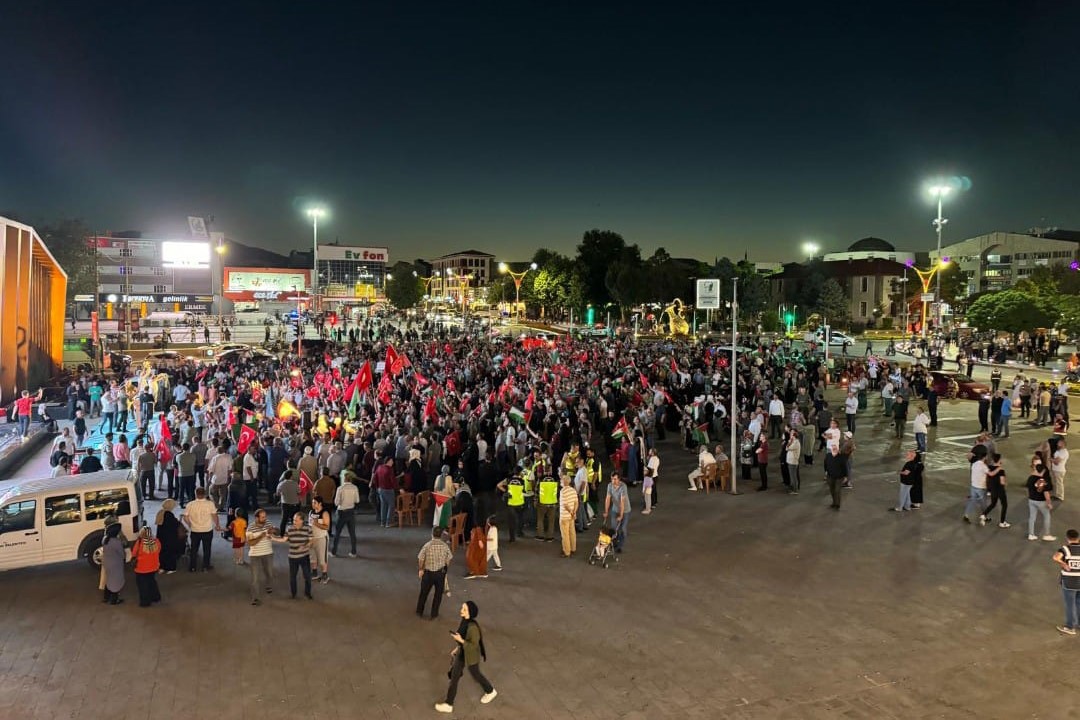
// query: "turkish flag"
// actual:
[[363, 377], [305, 484], [166, 434], [247, 436], [391, 359], [429, 408], [163, 453]]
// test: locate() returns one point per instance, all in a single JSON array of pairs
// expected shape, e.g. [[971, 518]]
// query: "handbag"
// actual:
[[181, 533]]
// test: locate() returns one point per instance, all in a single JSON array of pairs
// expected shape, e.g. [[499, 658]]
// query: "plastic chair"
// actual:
[[457, 530], [406, 510], [423, 505]]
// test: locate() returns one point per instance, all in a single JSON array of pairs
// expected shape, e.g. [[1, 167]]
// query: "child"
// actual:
[[238, 530], [646, 489], [493, 543]]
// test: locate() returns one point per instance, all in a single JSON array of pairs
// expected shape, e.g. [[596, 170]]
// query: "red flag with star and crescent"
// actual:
[[247, 436]]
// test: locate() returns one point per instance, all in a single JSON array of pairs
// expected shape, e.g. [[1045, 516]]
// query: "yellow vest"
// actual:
[[515, 490], [549, 491]]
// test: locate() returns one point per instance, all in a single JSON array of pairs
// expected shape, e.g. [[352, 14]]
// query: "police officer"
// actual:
[[995, 380], [1068, 558], [547, 507], [513, 490]]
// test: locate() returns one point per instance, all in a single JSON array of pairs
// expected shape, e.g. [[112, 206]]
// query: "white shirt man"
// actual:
[[705, 459], [776, 408], [832, 436], [1057, 469]]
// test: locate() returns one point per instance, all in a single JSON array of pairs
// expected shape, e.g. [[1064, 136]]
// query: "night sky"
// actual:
[[505, 126]]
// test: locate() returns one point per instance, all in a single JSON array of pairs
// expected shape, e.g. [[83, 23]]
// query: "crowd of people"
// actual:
[[512, 436]]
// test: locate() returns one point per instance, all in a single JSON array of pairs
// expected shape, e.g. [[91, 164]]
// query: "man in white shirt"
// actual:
[[345, 499], [977, 495], [705, 459], [851, 406], [832, 436], [200, 516], [1057, 468], [776, 417], [219, 469]]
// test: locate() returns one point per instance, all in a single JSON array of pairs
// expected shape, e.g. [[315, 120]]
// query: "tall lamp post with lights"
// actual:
[[518, 278], [938, 191], [315, 213], [926, 276], [427, 285], [810, 249]]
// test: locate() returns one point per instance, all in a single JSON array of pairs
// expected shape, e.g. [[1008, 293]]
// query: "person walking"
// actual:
[[995, 488], [1005, 414], [433, 561], [921, 422], [1039, 503], [468, 653], [319, 520], [851, 407], [346, 499], [652, 469], [112, 563], [617, 509], [1068, 559], [146, 554], [835, 472], [288, 492], [298, 536], [260, 538], [977, 491], [568, 507], [1058, 465], [201, 519]]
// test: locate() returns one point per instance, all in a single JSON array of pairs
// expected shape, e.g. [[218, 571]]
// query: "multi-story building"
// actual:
[[467, 270], [996, 260], [148, 275], [350, 274]]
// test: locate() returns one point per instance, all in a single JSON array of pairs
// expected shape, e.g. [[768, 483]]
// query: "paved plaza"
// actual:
[[760, 605]]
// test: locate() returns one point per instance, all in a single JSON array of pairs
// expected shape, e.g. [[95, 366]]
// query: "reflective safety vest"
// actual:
[[549, 491], [515, 489], [527, 481], [593, 470], [570, 462], [1070, 578]]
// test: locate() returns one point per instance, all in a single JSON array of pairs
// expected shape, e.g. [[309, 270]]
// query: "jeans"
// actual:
[[200, 475], [516, 520], [303, 565], [920, 441], [187, 489], [1003, 426], [850, 422], [107, 422], [1072, 607], [204, 539], [386, 506], [905, 497], [24, 425], [998, 494], [287, 512], [455, 675], [262, 572], [345, 519], [1035, 508], [976, 501], [619, 526], [794, 479], [146, 480]]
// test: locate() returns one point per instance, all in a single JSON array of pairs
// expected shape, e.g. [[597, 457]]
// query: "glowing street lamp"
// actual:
[[315, 213], [518, 278], [810, 249], [938, 191], [926, 276]]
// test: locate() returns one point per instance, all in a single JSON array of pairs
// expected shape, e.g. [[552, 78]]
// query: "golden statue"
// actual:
[[677, 325]]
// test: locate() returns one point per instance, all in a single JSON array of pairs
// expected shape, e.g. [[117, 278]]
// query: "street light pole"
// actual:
[[315, 213], [734, 383], [939, 191]]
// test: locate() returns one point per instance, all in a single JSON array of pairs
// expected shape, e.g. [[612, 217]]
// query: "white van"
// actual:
[[63, 518], [162, 318]]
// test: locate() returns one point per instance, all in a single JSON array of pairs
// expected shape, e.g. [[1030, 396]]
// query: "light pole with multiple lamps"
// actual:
[[315, 213], [518, 278], [926, 276], [939, 192], [463, 281]]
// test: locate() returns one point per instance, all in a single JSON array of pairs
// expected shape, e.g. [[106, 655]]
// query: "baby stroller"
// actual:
[[603, 552]]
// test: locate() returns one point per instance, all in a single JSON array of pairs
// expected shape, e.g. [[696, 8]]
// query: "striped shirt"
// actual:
[[299, 540], [435, 555]]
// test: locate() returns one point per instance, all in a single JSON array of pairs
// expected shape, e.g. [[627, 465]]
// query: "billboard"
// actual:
[[708, 294], [355, 254], [266, 279], [184, 254]]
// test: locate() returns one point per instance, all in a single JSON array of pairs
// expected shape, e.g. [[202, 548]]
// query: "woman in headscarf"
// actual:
[[442, 496], [112, 562], [468, 653], [146, 554], [171, 536], [414, 472]]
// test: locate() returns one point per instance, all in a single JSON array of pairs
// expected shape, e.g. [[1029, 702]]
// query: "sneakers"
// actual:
[[498, 568], [444, 708], [1004, 524], [967, 519], [1033, 537], [1049, 538], [352, 555], [646, 512], [488, 697], [982, 519], [1060, 628], [693, 489]]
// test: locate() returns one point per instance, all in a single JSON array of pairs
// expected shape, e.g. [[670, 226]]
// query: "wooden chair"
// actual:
[[708, 477], [406, 509], [457, 530], [723, 473], [423, 506]]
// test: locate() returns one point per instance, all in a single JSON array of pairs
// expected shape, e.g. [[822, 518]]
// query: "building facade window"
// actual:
[[862, 308]]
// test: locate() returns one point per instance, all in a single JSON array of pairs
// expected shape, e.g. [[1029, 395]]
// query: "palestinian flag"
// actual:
[[517, 415], [622, 430], [443, 510]]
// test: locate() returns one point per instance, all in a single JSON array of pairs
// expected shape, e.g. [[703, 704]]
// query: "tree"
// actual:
[[1070, 314], [404, 289], [67, 240], [832, 303], [1011, 311], [596, 252], [954, 284]]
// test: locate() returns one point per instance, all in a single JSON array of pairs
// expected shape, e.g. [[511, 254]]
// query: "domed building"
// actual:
[[870, 248]]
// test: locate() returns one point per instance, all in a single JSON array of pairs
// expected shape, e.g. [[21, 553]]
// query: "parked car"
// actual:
[[165, 359], [954, 385]]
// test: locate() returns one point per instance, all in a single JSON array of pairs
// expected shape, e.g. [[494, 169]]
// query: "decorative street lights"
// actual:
[[938, 191], [315, 213], [518, 278], [926, 276]]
